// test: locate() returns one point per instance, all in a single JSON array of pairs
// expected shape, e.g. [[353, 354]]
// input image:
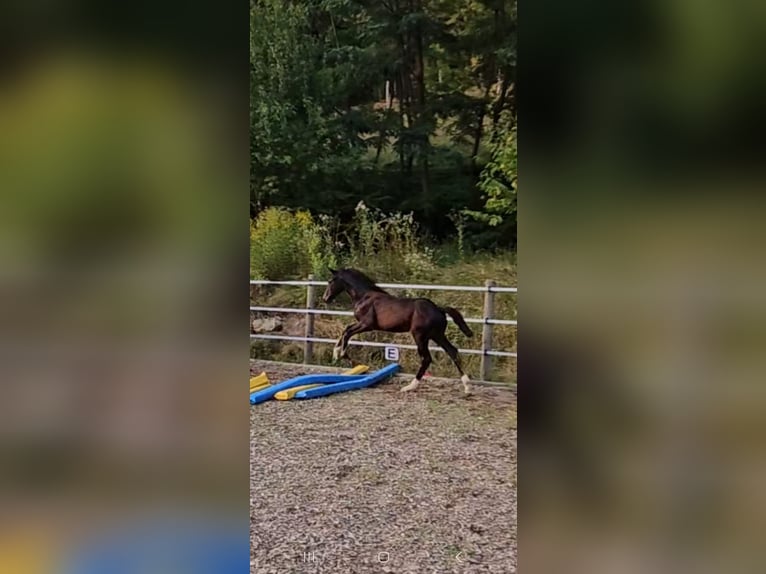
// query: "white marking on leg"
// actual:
[[336, 351], [466, 386], [411, 387]]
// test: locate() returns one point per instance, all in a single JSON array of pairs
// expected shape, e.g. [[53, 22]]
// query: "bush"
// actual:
[[289, 245], [284, 244], [274, 245], [388, 244], [318, 241]]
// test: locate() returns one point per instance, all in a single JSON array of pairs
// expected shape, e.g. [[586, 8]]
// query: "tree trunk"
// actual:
[[503, 75], [499, 104], [401, 77], [479, 129], [402, 127], [419, 82], [382, 134], [477, 137]]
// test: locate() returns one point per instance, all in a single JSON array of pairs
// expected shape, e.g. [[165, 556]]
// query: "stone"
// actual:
[[267, 325]]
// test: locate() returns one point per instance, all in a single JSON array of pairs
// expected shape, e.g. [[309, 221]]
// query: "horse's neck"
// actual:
[[355, 293], [358, 293]]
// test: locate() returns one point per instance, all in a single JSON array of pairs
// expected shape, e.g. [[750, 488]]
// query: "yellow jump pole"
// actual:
[[258, 382]]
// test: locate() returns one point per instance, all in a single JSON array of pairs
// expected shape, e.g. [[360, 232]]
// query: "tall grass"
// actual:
[[387, 245]]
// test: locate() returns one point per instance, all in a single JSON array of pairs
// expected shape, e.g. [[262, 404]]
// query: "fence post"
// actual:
[[308, 346], [486, 330]]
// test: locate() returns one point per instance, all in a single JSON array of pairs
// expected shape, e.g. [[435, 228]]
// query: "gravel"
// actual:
[[380, 481]]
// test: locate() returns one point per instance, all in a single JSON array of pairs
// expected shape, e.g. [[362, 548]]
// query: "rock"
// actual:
[[267, 325]]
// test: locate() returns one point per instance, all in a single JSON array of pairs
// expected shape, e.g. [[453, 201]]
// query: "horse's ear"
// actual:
[[333, 271]]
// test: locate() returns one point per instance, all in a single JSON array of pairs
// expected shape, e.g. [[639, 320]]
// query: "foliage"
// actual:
[[324, 135], [387, 244], [294, 136], [289, 245], [458, 220], [285, 244], [498, 181], [275, 245], [318, 240]]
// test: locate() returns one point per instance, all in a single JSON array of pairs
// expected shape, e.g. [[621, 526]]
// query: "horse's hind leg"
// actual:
[[441, 340], [425, 355]]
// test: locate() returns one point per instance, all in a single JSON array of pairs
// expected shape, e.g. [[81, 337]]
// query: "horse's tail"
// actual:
[[459, 321]]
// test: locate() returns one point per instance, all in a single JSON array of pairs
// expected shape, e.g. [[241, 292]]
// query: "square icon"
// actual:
[[392, 353]]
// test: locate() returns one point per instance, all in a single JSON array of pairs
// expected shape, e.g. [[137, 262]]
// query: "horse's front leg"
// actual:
[[340, 347], [355, 329]]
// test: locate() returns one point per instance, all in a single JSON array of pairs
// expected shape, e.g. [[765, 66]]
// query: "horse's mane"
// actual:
[[359, 280]]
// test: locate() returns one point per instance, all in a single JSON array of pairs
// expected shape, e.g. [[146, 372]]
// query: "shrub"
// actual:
[[275, 245], [387, 244], [290, 245], [317, 240], [284, 244]]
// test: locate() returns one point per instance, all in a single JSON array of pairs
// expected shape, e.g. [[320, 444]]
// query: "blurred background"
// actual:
[[641, 393], [123, 261], [122, 170]]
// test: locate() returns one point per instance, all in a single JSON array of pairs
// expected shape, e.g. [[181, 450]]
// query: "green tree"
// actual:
[[394, 102], [498, 181], [295, 135]]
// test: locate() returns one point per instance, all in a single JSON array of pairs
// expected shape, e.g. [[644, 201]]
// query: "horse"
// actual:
[[377, 310]]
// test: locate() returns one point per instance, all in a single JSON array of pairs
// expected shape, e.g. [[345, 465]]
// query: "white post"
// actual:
[[308, 346], [486, 331]]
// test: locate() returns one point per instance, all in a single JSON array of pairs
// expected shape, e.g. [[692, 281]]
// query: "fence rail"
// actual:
[[486, 351], [475, 288], [377, 344], [310, 311]]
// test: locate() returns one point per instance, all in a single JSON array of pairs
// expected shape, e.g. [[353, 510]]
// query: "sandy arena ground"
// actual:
[[380, 481]]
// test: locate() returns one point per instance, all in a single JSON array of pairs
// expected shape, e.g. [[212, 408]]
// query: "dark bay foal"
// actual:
[[377, 310]]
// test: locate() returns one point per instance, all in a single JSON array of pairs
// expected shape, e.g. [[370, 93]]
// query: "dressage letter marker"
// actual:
[[392, 353]]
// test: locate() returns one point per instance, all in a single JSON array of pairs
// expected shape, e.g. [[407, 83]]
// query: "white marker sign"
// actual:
[[392, 353]]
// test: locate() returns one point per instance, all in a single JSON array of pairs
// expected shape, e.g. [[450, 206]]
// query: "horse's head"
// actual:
[[335, 286]]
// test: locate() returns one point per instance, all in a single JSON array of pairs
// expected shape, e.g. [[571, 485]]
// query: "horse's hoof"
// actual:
[[411, 387], [467, 390]]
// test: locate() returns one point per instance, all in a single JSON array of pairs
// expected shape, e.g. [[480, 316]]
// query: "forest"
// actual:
[[408, 106]]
